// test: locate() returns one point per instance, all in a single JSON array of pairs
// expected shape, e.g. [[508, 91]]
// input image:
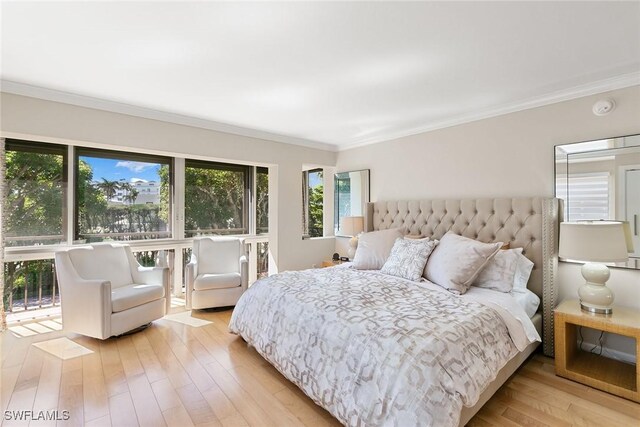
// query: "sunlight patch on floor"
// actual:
[[35, 328], [186, 318], [35, 314], [63, 348], [177, 302], [20, 331]]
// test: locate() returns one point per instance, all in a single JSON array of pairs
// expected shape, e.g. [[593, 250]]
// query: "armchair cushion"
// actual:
[[218, 255], [102, 262], [217, 281], [126, 297]]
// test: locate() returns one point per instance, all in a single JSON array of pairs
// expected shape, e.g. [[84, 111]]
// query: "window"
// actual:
[[313, 204], [586, 196], [113, 200], [262, 200], [123, 196], [216, 198], [35, 211]]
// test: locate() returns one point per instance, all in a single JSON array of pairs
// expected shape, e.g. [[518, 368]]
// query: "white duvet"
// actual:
[[377, 350]]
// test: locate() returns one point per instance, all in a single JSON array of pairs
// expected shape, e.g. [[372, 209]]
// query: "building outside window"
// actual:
[[122, 196]]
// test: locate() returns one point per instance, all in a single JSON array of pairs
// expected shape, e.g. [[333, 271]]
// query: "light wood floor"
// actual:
[[175, 374]]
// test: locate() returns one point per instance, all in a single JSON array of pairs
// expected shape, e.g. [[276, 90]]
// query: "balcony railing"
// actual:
[[31, 284], [13, 241], [126, 236]]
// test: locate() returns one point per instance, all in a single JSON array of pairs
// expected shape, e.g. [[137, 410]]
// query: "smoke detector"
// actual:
[[603, 107]]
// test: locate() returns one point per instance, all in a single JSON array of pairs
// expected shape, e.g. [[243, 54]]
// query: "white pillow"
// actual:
[[527, 300], [523, 271], [408, 258], [500, 271], [457, 260], [374, 248]]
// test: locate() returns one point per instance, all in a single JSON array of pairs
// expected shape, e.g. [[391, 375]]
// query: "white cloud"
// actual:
[[134, 166]]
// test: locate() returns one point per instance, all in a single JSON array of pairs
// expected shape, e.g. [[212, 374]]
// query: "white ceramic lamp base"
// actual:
[[595, 296]]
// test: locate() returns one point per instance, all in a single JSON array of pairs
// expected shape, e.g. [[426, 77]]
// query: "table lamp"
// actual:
[[595, 242], [352, 226]]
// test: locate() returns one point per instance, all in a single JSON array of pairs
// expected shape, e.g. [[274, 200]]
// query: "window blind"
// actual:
[[586, 196]]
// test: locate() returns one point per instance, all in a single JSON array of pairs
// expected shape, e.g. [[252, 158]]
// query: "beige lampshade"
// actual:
[[352, 225], [594, 241]]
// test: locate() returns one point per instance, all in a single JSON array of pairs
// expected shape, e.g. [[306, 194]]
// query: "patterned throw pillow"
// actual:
[[499, 273], [408, 258], [457, 261]]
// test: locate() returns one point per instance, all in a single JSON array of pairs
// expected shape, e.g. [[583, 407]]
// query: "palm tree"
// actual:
[[109, 188], [131, 194]]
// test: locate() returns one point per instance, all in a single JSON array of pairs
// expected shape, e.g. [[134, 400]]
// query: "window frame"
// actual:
[[248, 172], [257, 170], [71, 153], [38, 147], [127, 156], [306, 203]]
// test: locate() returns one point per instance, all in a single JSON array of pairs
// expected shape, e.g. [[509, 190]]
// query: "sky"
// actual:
[[314, 180], [115, 170]]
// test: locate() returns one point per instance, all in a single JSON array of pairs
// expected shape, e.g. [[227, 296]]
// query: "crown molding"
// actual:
[[31, 91], [600, 86], [594, 88]]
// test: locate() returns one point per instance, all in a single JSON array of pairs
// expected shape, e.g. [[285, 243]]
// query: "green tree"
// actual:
[[316, 196], [91, 202], [131, 194], [262, 201], [34, 195], [109, 188], [214, 200], [164, 193]]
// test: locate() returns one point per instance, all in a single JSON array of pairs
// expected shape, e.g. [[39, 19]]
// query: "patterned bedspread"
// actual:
[[373, 349]]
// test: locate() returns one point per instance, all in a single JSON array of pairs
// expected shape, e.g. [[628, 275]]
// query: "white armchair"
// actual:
[[217, 274], [105, 292]]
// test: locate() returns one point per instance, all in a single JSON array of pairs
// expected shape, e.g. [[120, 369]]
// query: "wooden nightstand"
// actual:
[[612, 376], [331, 263]]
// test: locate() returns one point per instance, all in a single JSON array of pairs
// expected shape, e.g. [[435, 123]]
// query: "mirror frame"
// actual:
[[562, 167], [336, 205]]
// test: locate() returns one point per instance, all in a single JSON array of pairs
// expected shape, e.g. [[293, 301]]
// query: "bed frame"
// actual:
[[530, 223]]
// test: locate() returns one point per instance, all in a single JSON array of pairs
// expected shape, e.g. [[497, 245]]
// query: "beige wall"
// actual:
[[55, 122], [510, 155]]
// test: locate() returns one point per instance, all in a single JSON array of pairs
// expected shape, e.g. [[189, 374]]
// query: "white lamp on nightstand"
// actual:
[[352, 226], [595, 242]]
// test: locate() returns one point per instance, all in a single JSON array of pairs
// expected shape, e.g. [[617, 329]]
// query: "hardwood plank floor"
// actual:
[[176, 374]]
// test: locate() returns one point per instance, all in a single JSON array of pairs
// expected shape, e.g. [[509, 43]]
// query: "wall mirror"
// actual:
[[351, 196], [601, 180]]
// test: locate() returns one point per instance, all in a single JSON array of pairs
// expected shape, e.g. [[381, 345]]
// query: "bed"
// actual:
[[375, 349]]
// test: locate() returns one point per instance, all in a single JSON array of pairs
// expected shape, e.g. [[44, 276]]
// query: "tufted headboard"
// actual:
[[531, 223]]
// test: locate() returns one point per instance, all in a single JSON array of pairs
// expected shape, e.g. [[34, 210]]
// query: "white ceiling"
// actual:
[[343, 74]]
